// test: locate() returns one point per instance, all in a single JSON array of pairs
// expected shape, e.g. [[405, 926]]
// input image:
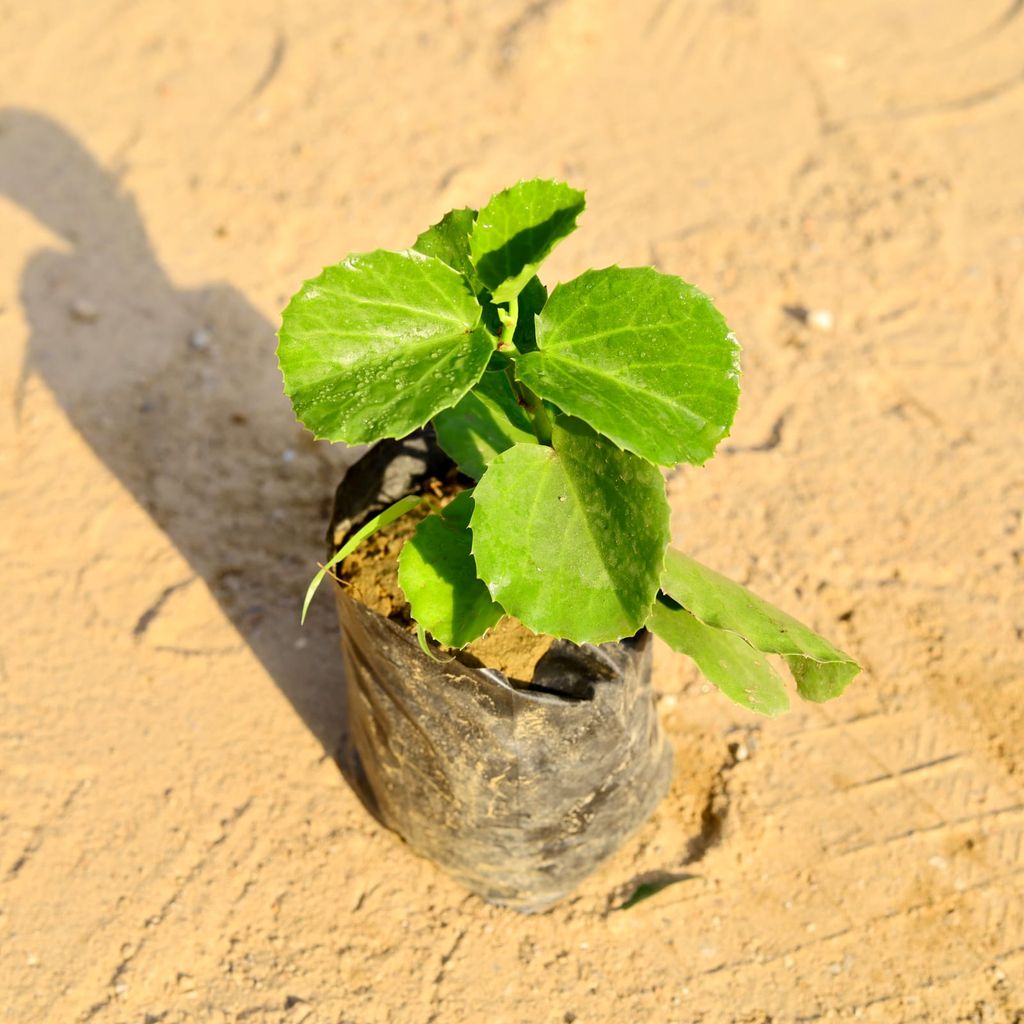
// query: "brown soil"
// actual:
[[371, 575], [847, 179], [511, 648]]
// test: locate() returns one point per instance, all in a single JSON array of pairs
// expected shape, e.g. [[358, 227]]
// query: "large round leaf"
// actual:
[[643, 357], [571, 539], [377, 345]]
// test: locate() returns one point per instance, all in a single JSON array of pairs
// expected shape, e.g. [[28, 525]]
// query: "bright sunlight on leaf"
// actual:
[[377, 345], [644, 358]]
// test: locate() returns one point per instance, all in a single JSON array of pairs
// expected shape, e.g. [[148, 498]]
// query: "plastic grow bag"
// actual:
[[517, 792]]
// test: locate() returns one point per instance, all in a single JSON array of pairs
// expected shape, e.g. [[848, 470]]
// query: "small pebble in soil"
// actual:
[[288, 456], [199, 339], [739, 751], [821, 319], [84, 311]]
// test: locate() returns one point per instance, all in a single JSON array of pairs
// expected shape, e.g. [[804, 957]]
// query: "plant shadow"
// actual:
[[177, 391]]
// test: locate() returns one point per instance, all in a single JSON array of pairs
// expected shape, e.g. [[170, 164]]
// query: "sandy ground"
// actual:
[[176, 842]]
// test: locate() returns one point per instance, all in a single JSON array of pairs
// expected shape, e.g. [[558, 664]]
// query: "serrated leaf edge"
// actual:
[[527, 181], [415, 254], [736, 369]]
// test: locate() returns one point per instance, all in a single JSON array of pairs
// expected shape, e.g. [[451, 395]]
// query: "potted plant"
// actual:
[[515, 491]]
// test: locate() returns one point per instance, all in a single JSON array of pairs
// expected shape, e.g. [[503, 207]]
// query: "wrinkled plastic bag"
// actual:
[[518, 793]]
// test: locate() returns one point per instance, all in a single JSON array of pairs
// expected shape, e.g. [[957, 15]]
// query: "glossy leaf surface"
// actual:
[[725, 658], [377, 345], [571, 539], [448, 241], [821, 671], [518, 229], [645, 358], [438, 577], [486, 422]]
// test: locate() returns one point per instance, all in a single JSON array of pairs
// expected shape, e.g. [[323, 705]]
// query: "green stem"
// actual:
[[508, 323], [534, 407], [527, 399]]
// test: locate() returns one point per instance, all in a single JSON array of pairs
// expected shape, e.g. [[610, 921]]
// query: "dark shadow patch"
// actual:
[[164, 414], [770, 443], [510, 39]]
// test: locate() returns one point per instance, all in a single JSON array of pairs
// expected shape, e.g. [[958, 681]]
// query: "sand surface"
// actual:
[[176, 842]]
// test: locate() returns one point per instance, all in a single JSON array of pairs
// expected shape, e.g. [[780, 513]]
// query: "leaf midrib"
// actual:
[[598, 547], [667, 403], [347, 370]]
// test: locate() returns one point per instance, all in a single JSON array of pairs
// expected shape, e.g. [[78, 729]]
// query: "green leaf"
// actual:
[[518, 229], [531, 302], [487, 421], [438, 577], [377, 345], [645, 890], [571, 539], [448, 240], [725, 659], [643, 357], [389, 515], [821, 670], [421, 639]]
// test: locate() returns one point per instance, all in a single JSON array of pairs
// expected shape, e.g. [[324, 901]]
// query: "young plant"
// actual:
[[561, 408]]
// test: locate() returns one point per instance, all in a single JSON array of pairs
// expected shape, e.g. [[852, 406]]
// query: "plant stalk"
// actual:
[[532, 403], [534, 407], [508, 323]]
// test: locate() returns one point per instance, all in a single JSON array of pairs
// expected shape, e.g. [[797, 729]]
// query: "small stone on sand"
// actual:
[[84, 311]]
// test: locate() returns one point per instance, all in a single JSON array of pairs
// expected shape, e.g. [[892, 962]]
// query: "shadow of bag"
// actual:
[[517, 792]]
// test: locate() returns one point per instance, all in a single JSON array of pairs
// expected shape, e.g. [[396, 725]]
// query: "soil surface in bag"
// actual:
[[370, 576], [518, 791]]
